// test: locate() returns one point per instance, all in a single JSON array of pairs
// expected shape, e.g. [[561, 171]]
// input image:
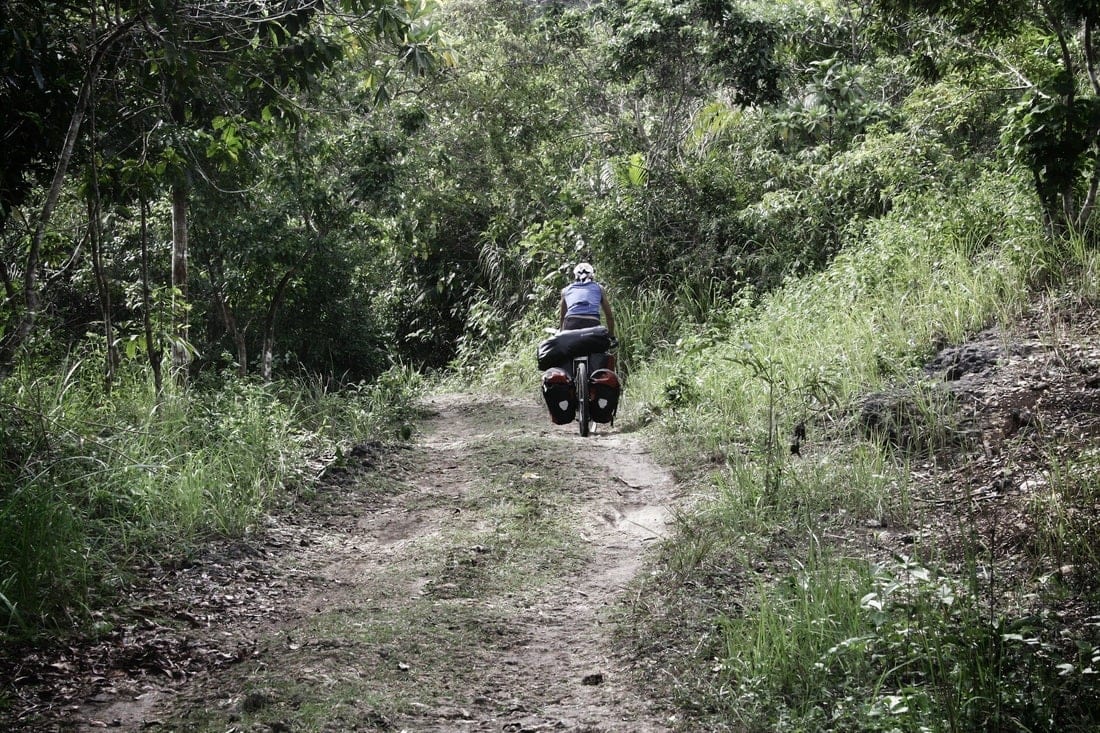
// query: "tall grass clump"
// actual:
[[653, 320], [354, 412], [1063, 510], [775, 661], [97, 482], [908, 283], [750, 514]]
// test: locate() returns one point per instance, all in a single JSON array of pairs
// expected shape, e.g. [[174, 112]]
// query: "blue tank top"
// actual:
[[582, 299]]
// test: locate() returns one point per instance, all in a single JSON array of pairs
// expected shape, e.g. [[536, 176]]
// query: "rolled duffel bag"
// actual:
[[604, 390], [561, 398], [557, 350]]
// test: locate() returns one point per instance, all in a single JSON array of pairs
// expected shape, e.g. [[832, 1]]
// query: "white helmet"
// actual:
[[583, 272]]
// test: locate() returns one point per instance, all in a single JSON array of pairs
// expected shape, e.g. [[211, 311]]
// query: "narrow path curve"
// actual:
[[467, 583]]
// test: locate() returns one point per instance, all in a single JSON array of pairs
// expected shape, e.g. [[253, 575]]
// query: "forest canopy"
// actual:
[[339, 185]]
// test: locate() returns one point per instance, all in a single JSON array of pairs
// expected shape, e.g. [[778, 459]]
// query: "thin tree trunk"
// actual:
[[221, 298], [269, 324], [152, 348], [1087, 207], [95, 238], [111, 359], [181, 353], [15, 337], [235, 333]]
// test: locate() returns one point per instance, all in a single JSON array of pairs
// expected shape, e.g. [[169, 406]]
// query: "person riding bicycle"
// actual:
[[579, 379], [582, 301]]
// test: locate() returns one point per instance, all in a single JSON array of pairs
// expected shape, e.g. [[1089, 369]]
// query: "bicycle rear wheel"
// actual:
[[581, 381]]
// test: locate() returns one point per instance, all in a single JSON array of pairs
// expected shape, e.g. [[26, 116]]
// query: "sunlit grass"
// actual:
[[97, 482], [806, 649]]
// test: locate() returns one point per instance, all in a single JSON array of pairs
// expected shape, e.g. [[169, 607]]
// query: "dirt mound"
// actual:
[[1014, 414]]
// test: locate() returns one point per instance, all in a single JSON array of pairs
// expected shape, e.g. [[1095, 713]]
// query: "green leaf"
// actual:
[[636, 172]]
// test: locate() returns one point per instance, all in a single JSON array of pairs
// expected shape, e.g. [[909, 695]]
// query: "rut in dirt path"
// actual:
[[560, 669], [468, 582]]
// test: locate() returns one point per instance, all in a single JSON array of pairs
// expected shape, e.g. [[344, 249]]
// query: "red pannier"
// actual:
[[561, 398], [603, 391]]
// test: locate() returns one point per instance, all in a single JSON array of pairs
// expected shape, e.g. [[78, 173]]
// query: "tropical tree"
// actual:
[[1048, 51], [494, 148], [187, 88]]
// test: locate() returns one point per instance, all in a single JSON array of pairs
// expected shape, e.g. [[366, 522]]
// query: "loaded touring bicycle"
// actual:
[[579, 382]]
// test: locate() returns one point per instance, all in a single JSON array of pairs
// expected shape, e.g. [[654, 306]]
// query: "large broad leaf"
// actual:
[[636, 171]]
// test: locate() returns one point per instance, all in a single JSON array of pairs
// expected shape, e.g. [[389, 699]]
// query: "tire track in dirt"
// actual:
[[564, 672]]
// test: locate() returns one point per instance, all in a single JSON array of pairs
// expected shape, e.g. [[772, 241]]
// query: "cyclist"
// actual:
[[582, 301]]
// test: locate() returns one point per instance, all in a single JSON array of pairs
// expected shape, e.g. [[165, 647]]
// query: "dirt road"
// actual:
[[468, 583]]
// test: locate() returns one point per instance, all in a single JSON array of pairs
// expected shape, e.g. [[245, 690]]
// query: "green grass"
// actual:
[[777, 659], [1063, 508], [96, 482], [844, 645]]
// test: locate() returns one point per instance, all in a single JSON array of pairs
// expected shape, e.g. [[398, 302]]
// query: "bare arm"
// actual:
[[561, 314], [608, 313]]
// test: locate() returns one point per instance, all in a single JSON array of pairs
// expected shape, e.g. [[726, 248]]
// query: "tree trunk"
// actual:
[[1089, 205], [152, 348], [221, 298], [235, 333], [103, 289], [181, 342], [95, 238], [269, 324], [16, 336]]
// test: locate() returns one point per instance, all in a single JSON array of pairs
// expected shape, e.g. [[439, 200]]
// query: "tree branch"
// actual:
[[1067, 59], [1090, 64]]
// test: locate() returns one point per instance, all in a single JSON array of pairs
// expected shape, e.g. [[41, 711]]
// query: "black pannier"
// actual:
[[603, 390], [556, 351], [561, 398]]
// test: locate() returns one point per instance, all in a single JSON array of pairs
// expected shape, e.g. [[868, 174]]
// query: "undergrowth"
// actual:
[[761, 613], [96, 483]]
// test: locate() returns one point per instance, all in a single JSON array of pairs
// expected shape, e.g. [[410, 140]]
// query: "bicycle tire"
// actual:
[[581, 381]]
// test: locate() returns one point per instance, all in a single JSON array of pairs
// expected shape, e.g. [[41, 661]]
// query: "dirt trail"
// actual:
[[565, 672], [465, 584]]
